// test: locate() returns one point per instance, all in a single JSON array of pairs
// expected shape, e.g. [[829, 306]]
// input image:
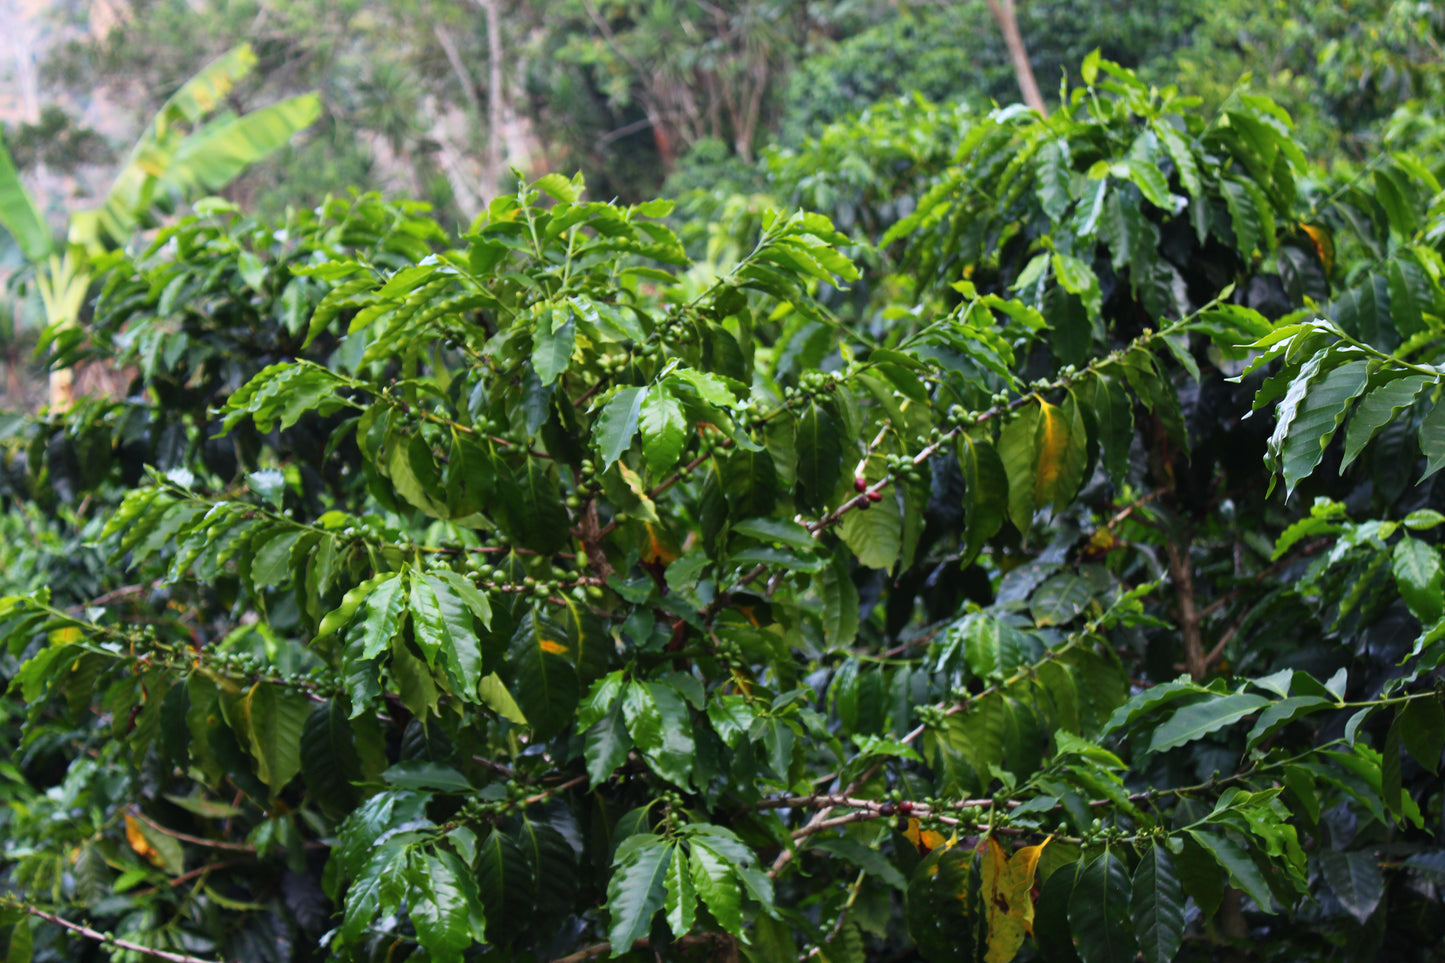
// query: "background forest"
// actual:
[[718, 480]]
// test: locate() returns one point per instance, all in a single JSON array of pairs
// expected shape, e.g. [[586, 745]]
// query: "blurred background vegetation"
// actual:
[[843, 105]]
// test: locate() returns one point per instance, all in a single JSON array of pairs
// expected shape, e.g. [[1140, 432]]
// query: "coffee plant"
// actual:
[[545, 592]]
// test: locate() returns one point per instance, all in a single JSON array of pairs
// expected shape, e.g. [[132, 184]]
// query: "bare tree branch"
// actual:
[[1008, 24]]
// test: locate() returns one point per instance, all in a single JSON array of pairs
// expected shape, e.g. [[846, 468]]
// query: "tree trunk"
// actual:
[[496, 113], [1008, 24]]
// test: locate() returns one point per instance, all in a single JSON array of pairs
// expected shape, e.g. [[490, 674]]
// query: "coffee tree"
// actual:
[[544, 593]]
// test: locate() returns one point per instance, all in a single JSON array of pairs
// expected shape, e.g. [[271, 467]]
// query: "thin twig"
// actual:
[[107, 938], [597, 949], [194, 840]]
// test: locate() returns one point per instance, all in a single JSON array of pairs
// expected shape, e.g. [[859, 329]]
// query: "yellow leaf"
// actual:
[[1324, 245], [661, 547], [138, 842], [1008, 903], [1052, 435], [65, 635], [926, 840], [1102, 542], [1021, 869]]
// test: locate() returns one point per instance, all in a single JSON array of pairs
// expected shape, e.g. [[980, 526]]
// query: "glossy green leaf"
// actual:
[[875, 533], [445, 915], [714, 882], [1157, 905], [820, 457], [840, 602], [1235, 860], [637, 889], [1199, 719], [328, 759], [1422, 730], [672, 753], [1018, 453], [551, 854], [1419, 576], [1201, 876], [1356, 880], [544, 681], [1099, 912], [664, 430], [1279, 714], [275, 718], [681, 899], [377, 890], [383, 617], [986, 488], [1320, 413], [552, 349], [993, 649], [1378, 407], [1432, 439], [505, 883], [1079, 279], [615, 426], [607, 745]]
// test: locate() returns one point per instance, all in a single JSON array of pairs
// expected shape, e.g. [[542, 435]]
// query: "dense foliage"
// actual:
[[547, 592]]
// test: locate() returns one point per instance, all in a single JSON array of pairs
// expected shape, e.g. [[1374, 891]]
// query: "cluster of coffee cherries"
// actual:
[[813, 383], [903, 468]]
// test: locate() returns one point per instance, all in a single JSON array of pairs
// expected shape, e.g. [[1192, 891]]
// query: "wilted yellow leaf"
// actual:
[[1008, 904], [138, 841], [1052, 436], [926, 840], [660, 547]]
